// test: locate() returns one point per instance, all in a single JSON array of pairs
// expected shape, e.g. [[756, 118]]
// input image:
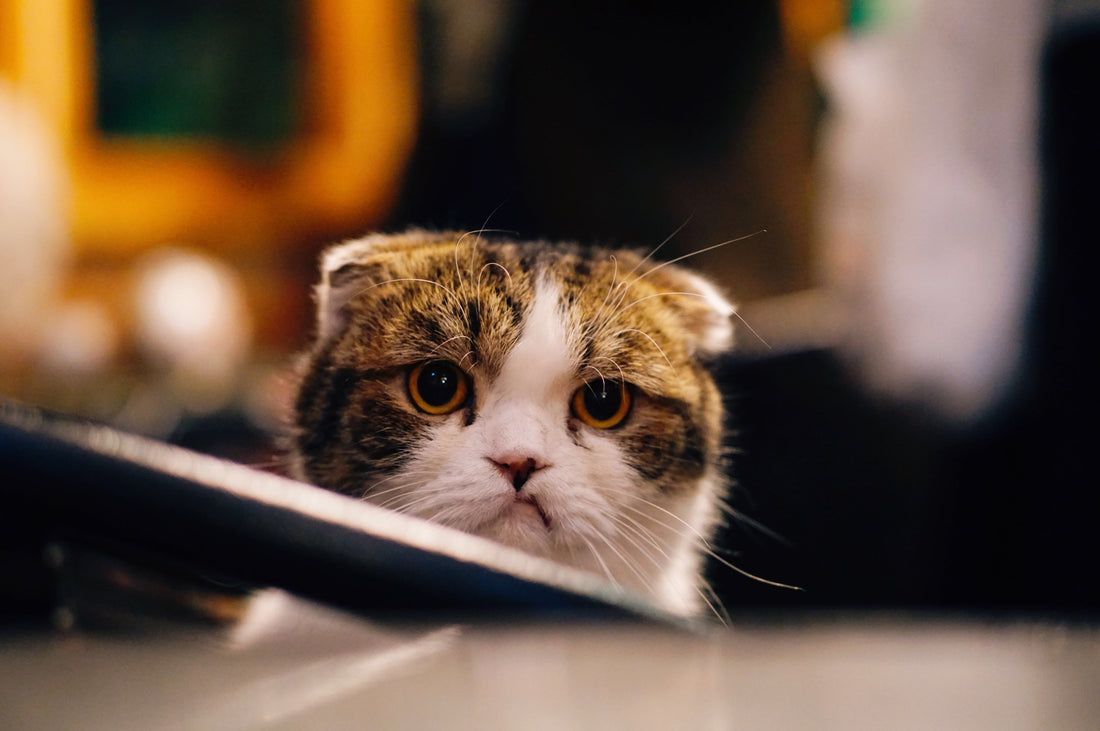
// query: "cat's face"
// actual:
[[551, 398]]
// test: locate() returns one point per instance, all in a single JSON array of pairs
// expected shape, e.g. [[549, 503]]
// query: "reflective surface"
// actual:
[[293, 664]]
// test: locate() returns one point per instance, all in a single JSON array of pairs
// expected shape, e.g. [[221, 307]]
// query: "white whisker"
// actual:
[[655, 345], [662, 265], [599, 312], [658, 247], [707, 594], [704, 543], [493, 264], [646, 583], [638, 531], [437, 348], [599, 559], [603, 379], [710, 552], [622, 376], [410, 279], [652, 296]]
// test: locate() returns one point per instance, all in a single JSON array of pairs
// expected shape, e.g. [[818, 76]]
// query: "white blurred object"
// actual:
[[930, 191], [80, 338], [33, 232], [191, 318]]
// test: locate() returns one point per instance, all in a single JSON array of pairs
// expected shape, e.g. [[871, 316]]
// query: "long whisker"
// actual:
[[657, 248], [411, 483], [405, 488], [599, 560], [710, 552], [625, 522], [458, 267], [655, 345], [483, 229], [692, 529], [473, 255], [707, 594], [411, 279], [603, 379], [616, 310], [421, 496], [588, 328], [437, 348], [750, 329], [622, 285], [735, 313], [640, 300], [622, 375], [644, 580], [491, 264], [740, 517], [707, 548], [662, 265]]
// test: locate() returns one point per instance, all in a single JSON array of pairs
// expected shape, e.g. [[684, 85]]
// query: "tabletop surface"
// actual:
[[296, 664]]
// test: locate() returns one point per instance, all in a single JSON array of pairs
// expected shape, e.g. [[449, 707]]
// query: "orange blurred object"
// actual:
[[807, 22], [343, 170]]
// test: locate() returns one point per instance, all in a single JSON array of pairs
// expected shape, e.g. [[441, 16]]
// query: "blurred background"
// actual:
[[910, 182]]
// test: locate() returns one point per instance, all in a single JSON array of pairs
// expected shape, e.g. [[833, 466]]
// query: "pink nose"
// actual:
[[517, 470]]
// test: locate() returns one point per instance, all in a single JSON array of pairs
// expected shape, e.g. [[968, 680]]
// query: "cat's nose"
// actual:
[[516, 470]]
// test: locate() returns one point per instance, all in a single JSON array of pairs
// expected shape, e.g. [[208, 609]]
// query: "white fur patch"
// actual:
[[716, 335], [528, 402], [543, 348]]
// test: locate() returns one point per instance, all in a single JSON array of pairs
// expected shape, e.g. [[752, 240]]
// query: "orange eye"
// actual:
[[602, 404], [438, 387]]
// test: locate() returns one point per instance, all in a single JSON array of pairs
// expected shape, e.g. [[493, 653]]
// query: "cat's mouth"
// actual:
[[524, 503]]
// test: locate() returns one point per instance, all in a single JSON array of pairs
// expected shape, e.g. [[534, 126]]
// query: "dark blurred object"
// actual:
[[842, 495], [1026, 517], [229, 71], [618, 123], [153, 522], [112, 589], [880, 505]]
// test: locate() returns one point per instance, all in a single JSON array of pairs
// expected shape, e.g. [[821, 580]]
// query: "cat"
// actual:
[[551, 397]]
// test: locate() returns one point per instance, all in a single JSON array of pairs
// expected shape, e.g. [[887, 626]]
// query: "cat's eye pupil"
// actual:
[[437, 383], [602, 404], [602, 401], [438, 387]]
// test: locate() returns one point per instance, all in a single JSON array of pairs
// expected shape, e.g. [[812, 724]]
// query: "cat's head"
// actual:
[[554, 398]]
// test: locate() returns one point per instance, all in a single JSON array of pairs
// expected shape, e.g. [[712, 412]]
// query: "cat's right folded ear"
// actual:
[[708, 320], [351, 268]]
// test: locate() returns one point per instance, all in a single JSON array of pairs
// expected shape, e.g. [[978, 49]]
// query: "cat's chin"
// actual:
[[526, 509], [521, 523]]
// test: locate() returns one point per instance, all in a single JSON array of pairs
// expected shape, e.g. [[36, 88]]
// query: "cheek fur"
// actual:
[[358, 429], [381, 428], [665, 446]]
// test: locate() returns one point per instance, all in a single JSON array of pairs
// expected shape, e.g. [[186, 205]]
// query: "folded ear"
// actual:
[[351, 268], [706, 317], [346, 270]]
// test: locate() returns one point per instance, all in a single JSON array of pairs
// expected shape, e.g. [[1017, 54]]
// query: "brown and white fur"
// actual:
[[529, 324]]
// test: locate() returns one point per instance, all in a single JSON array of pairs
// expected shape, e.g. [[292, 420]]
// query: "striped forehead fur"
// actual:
[[621, 302]]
